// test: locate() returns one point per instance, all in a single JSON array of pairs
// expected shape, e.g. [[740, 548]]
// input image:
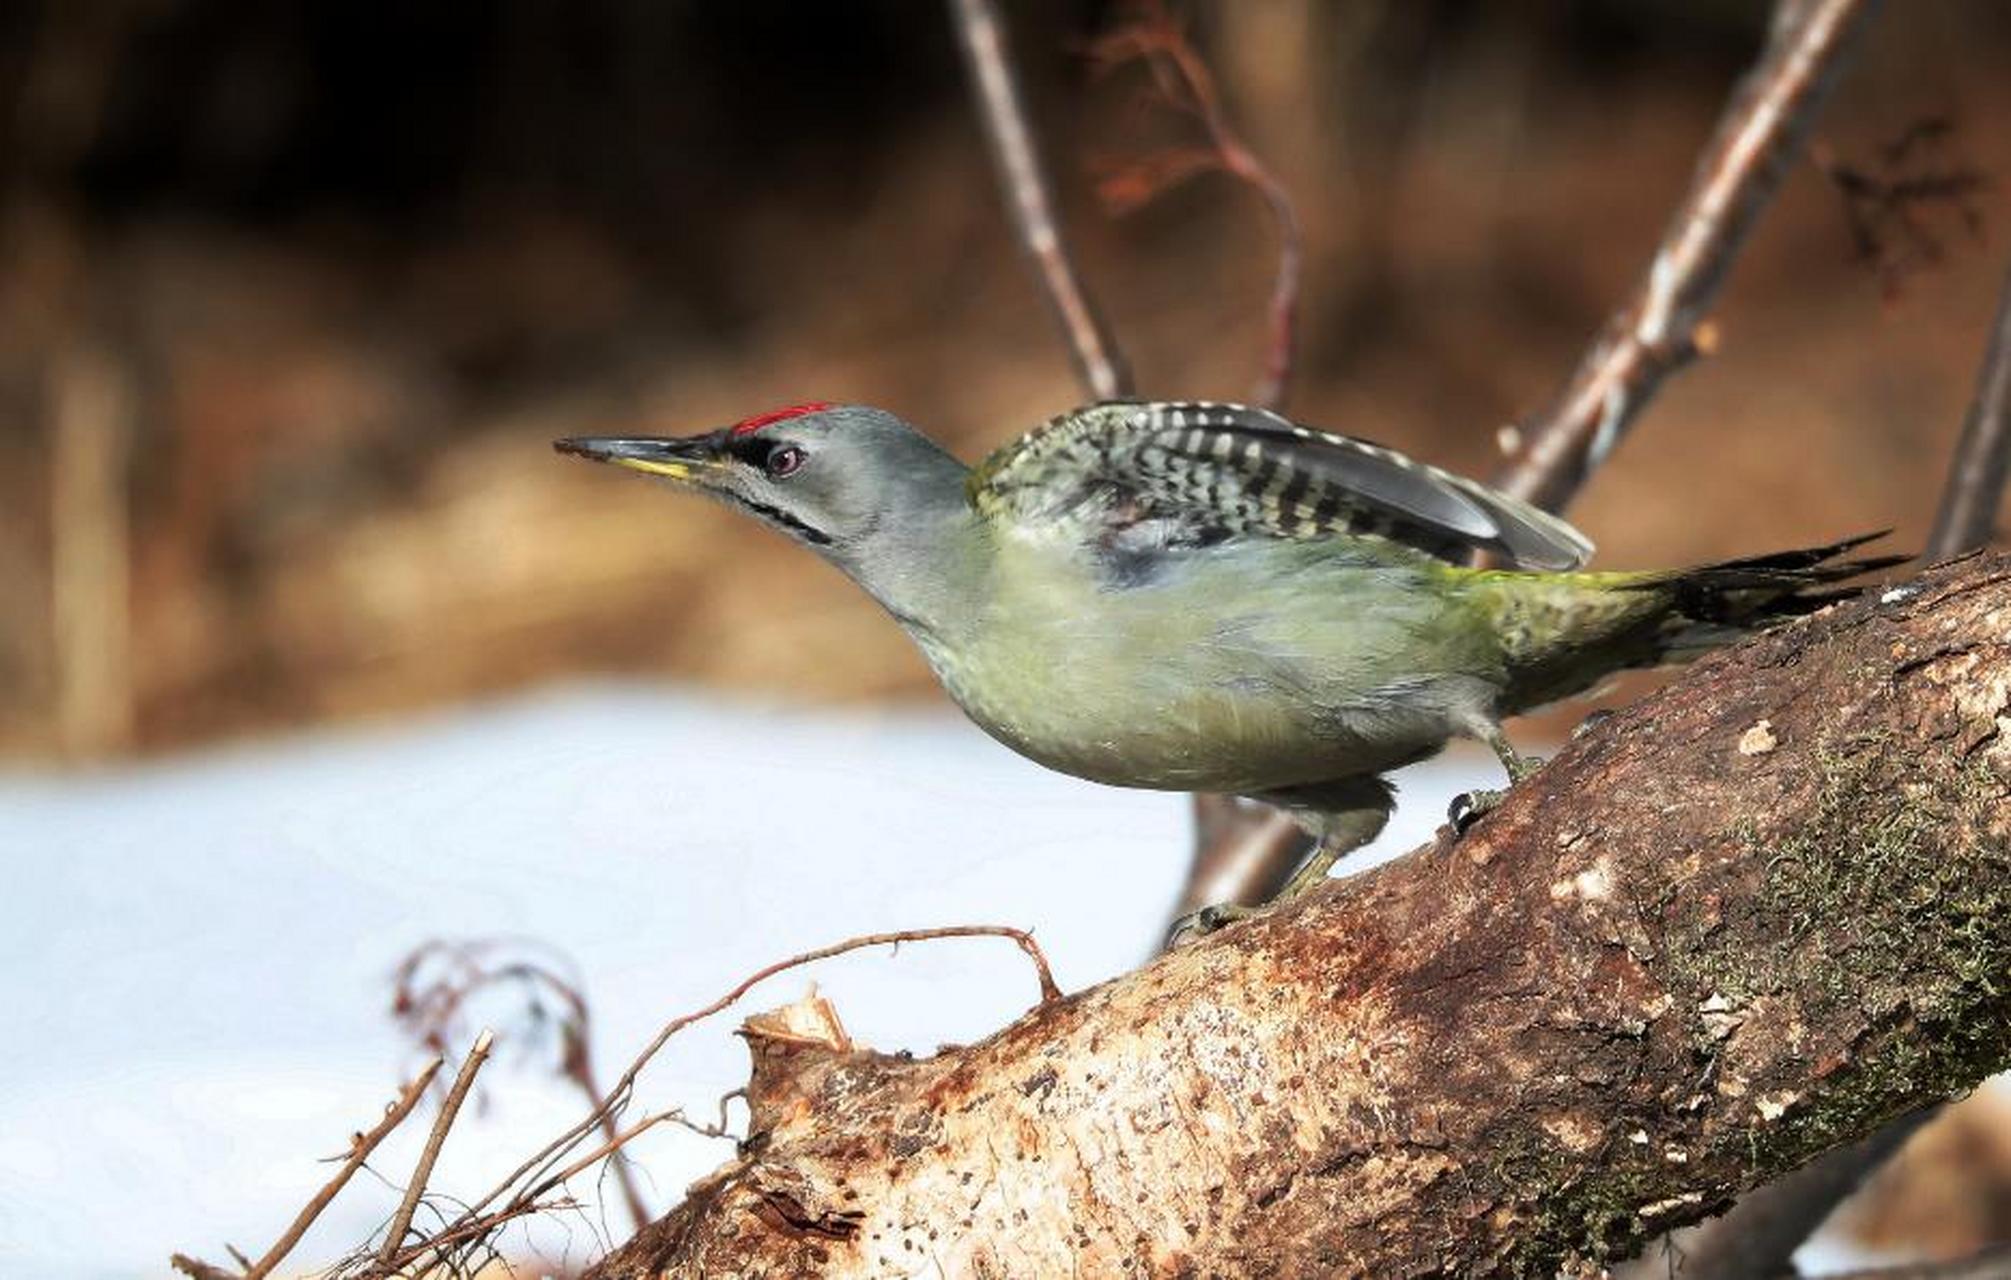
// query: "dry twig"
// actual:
[[436, 982], [541, 1173], [359, 1151], [1184, 83], [1030, 197], [1663, 328], [401, 1221]]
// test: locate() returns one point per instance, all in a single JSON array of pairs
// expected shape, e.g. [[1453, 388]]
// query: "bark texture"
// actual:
[[1751, 918]]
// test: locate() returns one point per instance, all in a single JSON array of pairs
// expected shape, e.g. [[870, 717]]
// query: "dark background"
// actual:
[[312, 284]]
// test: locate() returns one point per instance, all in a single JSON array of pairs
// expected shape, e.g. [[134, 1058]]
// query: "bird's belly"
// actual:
[[1193, 701], [1203, 743]]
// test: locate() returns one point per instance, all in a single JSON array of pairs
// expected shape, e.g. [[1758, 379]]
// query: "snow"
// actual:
[[195, 955]]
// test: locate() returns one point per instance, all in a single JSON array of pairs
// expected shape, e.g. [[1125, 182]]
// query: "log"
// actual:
[[1751, 918]]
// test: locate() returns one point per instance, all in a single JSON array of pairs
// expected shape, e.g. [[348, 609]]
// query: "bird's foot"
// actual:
[[1520, 767], [1196, 925], [1469, 807]]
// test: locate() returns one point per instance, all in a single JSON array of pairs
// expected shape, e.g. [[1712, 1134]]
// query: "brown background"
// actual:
[[315, 284]]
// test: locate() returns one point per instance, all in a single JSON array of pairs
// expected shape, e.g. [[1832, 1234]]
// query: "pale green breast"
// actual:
[[1241, 668]]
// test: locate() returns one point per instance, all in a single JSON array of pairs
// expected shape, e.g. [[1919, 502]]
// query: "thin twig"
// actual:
[[534, 1174], [1663, 328], [430, 1005], [359, 1152], [1030, 199], [197, 1269], [614, 1144], [421, 1258], [401, 1222], [1976, 476], [1185, 81]]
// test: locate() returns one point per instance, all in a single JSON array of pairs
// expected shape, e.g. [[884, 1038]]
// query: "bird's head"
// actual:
[[835, 477]]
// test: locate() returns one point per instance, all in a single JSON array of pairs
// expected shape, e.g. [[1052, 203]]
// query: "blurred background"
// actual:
[[295, 294]]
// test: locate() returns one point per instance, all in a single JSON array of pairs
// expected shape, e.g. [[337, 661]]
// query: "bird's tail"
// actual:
[[1714, 604], [1566, 633]]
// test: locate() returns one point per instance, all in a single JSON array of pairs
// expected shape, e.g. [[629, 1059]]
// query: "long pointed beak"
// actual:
[[678, 459]]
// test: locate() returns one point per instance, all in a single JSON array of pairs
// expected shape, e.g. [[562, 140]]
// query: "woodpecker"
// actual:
[[1211, 597]]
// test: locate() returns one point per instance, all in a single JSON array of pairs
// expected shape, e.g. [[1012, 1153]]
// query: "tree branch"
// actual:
[[1760, 1235], [415, 1188], [1975, 489], [360, 1147], [1663, 327], [1030, 198], [1678, 963]]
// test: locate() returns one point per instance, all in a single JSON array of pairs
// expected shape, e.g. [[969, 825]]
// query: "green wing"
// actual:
[[1140, 476]]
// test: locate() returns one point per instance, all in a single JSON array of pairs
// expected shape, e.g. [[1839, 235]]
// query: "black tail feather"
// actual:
[[1755, 590]]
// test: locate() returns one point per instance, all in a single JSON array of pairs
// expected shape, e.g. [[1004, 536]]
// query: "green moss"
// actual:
[[1932, 915], [1927, 955]]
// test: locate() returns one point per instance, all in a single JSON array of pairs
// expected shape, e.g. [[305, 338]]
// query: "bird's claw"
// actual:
[[1196, 925], [1469, 807]]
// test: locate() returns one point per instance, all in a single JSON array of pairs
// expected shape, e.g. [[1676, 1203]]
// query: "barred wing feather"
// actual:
[[1194, 473]]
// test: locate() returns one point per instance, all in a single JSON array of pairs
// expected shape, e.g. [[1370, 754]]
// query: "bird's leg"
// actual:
[[1469, 807], [1349, 814], [1336, 836]]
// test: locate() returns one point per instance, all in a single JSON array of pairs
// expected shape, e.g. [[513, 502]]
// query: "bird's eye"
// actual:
[[783, 461]]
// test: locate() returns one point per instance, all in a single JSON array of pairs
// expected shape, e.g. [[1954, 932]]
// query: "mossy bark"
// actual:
[[1748, 919]]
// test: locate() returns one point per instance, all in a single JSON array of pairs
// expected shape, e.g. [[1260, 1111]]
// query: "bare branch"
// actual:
[[361, 1145], [1030, 198], [358, 1153], [616, 1143], [436, 981], [1663, 327], [401, 1221], [1185, 82], [536, 1175], [1975, 488]]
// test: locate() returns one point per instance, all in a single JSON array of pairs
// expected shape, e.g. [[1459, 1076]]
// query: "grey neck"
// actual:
[[928, 560]]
